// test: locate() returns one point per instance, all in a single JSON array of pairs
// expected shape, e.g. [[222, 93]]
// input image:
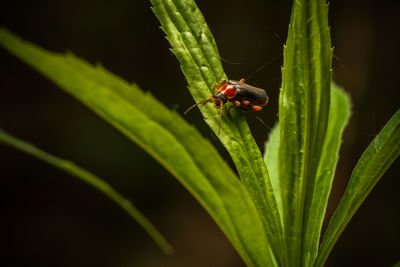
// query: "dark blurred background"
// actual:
[[48, 218]]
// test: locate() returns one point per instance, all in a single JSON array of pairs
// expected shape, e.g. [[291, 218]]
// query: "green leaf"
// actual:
[[375, 160], [271, 160], [339, 114], [338, 117], [303, 116], [92, 180], [196, 50], [161, 133]]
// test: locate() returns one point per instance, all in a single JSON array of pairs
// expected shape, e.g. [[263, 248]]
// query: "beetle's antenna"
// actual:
[[229, 62], [265, 65], [277, 36], [262, 122], [199, 103], [274, 58], [337, 59], [220, 119]]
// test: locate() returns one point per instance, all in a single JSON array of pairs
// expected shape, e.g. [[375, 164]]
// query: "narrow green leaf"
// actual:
[[271, 160], [339, 114], [338, 117], [92, 180], [196, 50], [303, 115], [161, 133], [375, 160]]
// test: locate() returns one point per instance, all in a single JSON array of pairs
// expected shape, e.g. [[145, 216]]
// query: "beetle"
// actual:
[[242, 95]]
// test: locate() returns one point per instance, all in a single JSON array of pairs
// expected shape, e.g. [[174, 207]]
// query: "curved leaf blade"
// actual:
[[375, 160], [339, 114], [161, 133], [271, 161], [196, 50], [93, 181], [303, 116]]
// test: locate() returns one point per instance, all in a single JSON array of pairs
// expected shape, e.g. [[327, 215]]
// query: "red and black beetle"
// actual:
[[242, 95]]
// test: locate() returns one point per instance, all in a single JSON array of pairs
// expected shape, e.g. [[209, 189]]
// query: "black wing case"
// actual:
[[256, 96]]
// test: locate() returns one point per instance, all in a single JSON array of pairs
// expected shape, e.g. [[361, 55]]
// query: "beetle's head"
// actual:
[[219, 100]]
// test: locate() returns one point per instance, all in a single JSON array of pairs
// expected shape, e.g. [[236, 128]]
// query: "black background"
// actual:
[[50, 219]]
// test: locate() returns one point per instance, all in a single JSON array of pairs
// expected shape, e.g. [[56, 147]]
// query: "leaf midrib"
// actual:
[[237, 128]]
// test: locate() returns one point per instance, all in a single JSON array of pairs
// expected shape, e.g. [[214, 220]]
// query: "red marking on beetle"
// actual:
[[229, 91], [220, 88]]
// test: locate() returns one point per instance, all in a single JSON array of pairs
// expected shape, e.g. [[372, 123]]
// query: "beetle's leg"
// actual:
[[257, 108], [213, 92], [242, 80], [236, 104], [247, 108], [220, 120], [215, 86], [229, 111]]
